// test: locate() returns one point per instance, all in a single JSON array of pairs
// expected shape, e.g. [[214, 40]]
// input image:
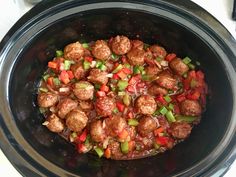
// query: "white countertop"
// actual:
[[12, 10]]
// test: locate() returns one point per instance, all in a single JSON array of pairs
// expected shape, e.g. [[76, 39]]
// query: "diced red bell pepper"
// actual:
[[170, 57], [130, 115], [135, 79], [176, 109], [161, 100], [50, 81], [115, 76], [186, 83], [131, 145], [180, 97], [195, 95], [81, 148], [130, 89], [162, 140], [71, 75], [123, 134], [121, 74], [123, 59], [104, 88], [127, 71], [158, 131], [64, 77], [52, 65], [107, 153], [88, 58], [200, 75], [120, 106], [82, 137], [100, 94], [141, 85], [192, 74]]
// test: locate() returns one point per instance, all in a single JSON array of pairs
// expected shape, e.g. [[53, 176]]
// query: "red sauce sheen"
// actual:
[[121, 98]]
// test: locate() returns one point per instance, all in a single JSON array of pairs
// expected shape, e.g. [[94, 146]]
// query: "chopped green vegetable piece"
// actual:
[[82, 85], [121, 93], [143, 72], [43, 89], [170, 91], [56, 81], [146, 77], [171, 106], [185, 75], [158, 59], [163, 110], [99, 151], [133, 122], [42, 110], [156, 146], [188, 119], [125, 147], [73, 135], [86, 65], [97, 86], [186, 60], [85, 45], [45, 77], [127, 65], [167, 98], [115, 111], [67, 64], [87, 141], [122, 85], [99, 63], [113, 89], [103, 67], [170, 117], [114, 56], [59, 53], [191, 66], [136, 70], [193, 83], [156, 113], [118, 68], [146, 46], [198, 63], [126, 99]]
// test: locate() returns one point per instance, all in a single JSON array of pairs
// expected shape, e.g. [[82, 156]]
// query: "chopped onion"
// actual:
[[45, 123], [105, 143], [110, 75], [64, 89], [53, 109], [164, 63], [158, 64], [93, 64], [103, 124]]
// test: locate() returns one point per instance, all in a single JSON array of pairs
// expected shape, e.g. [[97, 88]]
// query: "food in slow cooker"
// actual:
[[121, 98]]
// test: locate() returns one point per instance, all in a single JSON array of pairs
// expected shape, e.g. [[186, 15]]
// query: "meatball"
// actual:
[[120, 45], [98, 77], [115, 125], [96, 131], [146, 125], [86, 105], [83, 90], [54, 124], [74, 51], [100, 50], [137, 44], [104, 106], [78, 70], [158, 51], [163, 122], [65, 106], [190, 108], [178, 66], [166, 80], [146, 104], [157, 90], [76, 120], [115, 150], [48, 99], [136, 56], [180, 130], [152, 70]]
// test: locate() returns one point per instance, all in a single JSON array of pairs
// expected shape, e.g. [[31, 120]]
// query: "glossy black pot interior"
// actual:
[[194, 156]]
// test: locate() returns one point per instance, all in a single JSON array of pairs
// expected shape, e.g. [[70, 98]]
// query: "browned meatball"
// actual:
[[115, 150], [98, 77], [120, 45], [100, 50], [78, 70], [54, 124], [105, 106], [96, 131], [137, 44], [190, 108], [178, 66], [136, 56], [158, 51], [146, 125], [163, 122], [74, 51], [86, 105], [76, 120], [157, 90], [115, 125], [65, 106], [83, 90], [146, 104], [152, 70], [180, 130], [48, 99], [166, 80]]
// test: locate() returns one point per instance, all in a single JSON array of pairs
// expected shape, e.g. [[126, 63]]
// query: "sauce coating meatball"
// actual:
[[180, 130], [101, 50], [146, 125], [136, 56], [157, 90], [97, 132], [152, 70], [145, 104], [178, 66], [46, 100], [166, 80], [104, 106], [190, 108], [76, 120], [115, 125], [83, 90], [120, 45], [74, 51], [54, 124], [137, 44], [65, 106], [78, 70], [98, 77], [158, 51]]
